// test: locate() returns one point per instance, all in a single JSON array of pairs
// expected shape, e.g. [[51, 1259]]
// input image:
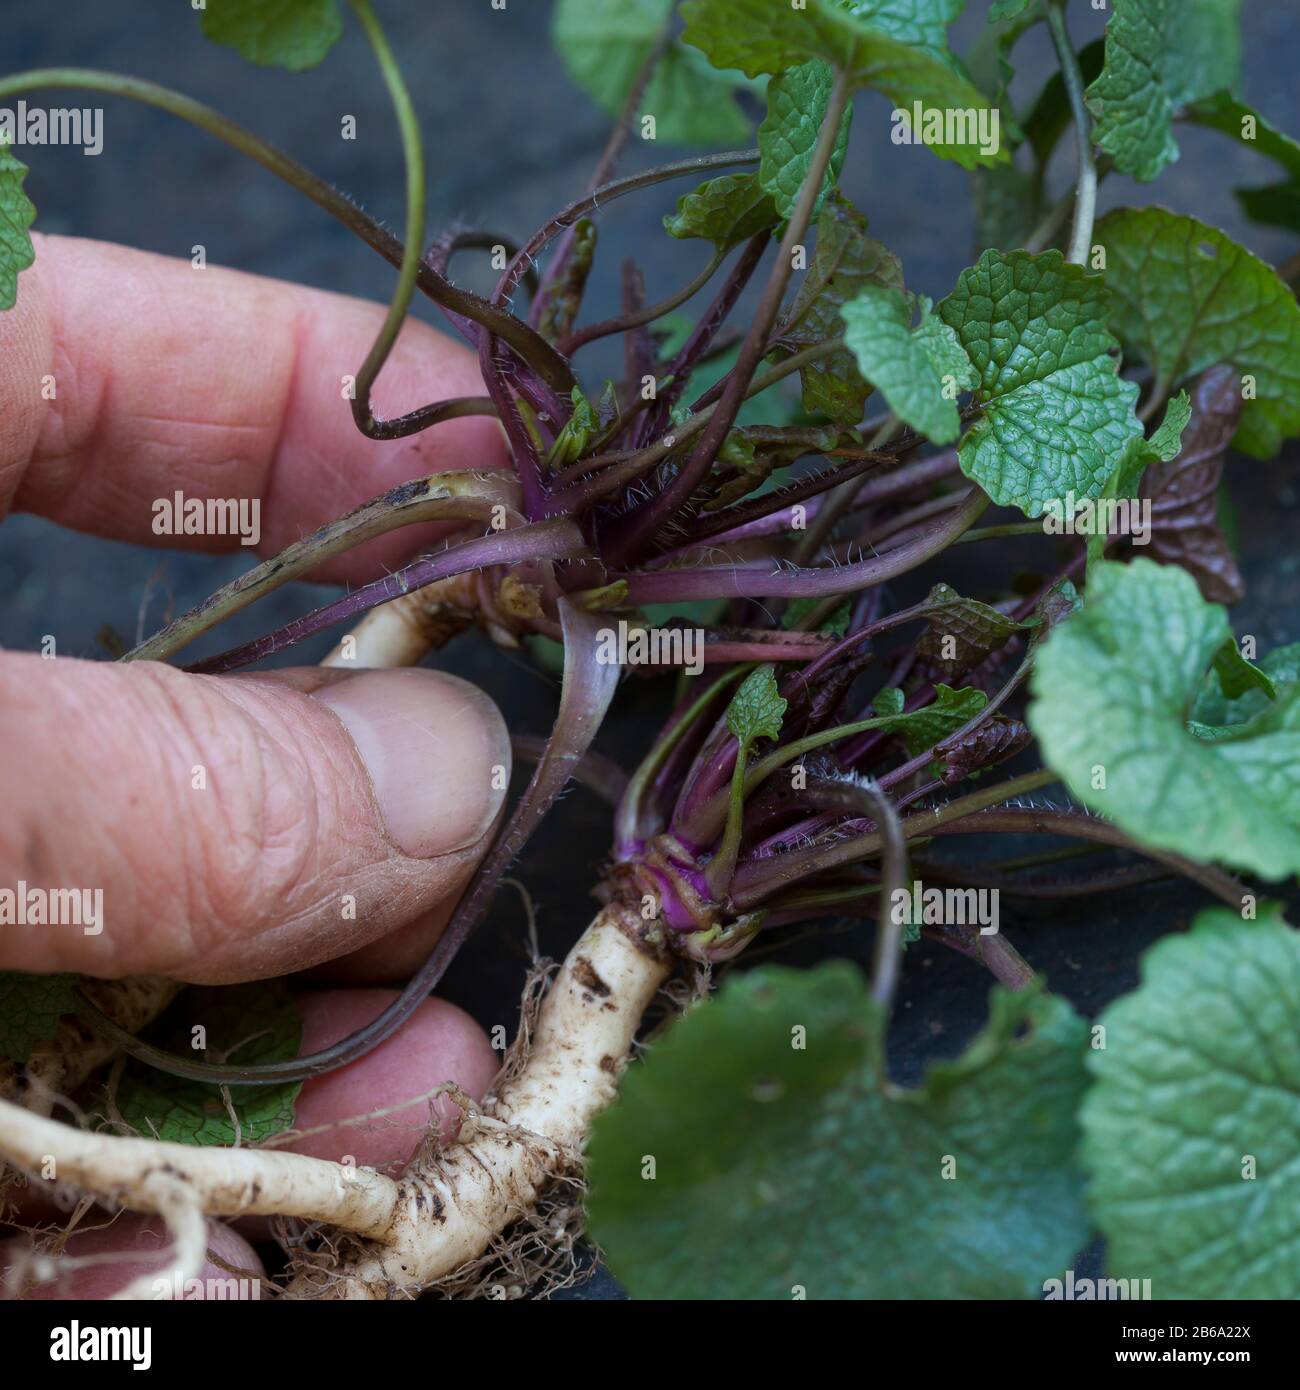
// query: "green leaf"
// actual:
[[844, 263], [1056, 415], [578, 429], [757, 453], [1113, 688], [1160, 54], [758, 36], [1190, 1125], [725, 211], [923, 728], [888, 701], [605, 44], [16, 217], [975, 629], [988, 63], [920, 370], [1184, 297], [293, 34], [922, 23], [1281, 666], [30, 1009], [1164, 444], [836, 625], [1237, 675], [796, 107], [1204, 55], [1008, 9], [1278, 203], [244, 1023], [770, 407], [1139, 455], [757, 708], [1228, 115], [784, 1160]]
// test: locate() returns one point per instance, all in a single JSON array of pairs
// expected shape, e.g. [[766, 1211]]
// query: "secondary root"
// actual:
[[464, 1220], [457, 1202], [149, 1175], [64, 1064], [68, 1060], [538, 1255]]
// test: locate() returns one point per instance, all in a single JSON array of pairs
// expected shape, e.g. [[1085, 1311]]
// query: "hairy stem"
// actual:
[[413, 154], [531, 346], [759, 580], [888, 958], [702, 339], [758, 879], [629, 537], [1045, 821], [608, 327], [439, 497], [617, 471], [547, 540], [600, 175]]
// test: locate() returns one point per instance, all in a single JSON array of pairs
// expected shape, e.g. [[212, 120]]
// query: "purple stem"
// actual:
[[994, 952], [568, 217], [633, 533], [492, 356], [1045, 821], [605, 166], [759, 580], [854, 639], [548, 540], [552, 411], [438, 260], [782, 839], [638, 345], [761, 516], [854, 752], [494, 365], [704, 332]]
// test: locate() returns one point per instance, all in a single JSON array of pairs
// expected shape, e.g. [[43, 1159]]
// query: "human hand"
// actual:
[[338, 815]]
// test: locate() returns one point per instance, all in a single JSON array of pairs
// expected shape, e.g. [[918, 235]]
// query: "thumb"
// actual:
[[233, 828]]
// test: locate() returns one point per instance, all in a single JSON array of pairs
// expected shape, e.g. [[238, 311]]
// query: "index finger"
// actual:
[[126, 378]]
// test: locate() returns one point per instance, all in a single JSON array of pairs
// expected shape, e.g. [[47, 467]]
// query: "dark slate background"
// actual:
[[509, 141]]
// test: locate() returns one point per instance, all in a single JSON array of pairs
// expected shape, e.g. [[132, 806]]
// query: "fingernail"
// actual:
[[437, 752]]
